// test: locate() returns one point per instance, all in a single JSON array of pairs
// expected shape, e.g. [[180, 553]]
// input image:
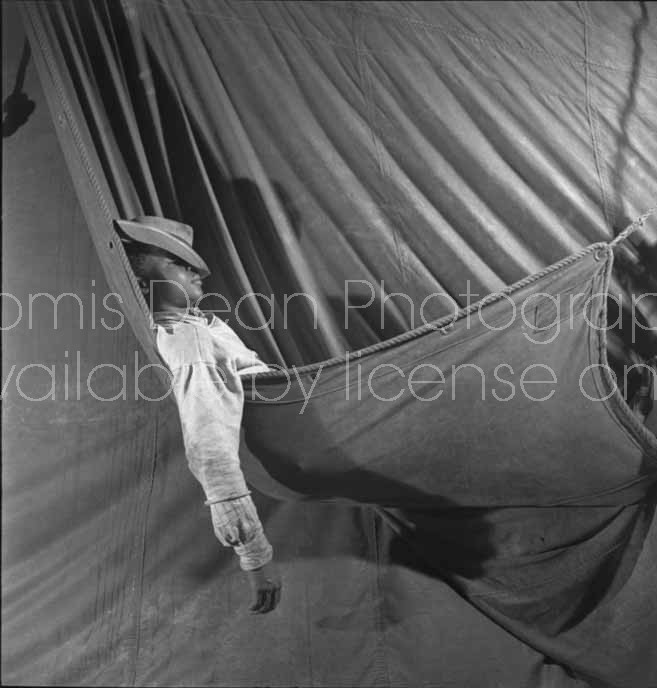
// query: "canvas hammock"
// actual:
[[454, 391], [489, 482], [535, 511]]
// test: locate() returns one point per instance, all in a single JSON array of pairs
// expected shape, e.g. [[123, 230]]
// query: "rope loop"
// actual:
[[639, 222]]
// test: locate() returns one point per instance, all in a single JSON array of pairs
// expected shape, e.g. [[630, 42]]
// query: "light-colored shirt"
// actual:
[[206, 359]]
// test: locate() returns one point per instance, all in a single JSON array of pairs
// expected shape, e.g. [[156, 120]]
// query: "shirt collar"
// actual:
[[192, 315]]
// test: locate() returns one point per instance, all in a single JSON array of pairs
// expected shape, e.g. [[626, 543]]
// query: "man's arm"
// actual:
[[210, 402]]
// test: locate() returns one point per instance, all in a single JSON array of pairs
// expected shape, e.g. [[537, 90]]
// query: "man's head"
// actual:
[[168, 269], [167, 282]]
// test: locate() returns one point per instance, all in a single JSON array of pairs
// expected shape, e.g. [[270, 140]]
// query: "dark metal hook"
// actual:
[[17, 106]]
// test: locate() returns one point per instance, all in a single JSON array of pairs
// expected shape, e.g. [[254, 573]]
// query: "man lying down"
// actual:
[[205, 358]]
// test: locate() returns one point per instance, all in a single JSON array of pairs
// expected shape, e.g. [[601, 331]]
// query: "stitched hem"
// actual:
[[606, 384]]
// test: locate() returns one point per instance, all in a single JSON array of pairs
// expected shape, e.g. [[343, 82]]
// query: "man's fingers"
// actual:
[[273, 598], [267, 606], [267, 600], [277, 596], [260, 599]]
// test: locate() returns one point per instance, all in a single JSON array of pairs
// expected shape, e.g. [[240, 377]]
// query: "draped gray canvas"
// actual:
[[356, 152]]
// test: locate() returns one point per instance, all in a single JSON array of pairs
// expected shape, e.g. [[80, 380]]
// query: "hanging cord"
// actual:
[[643, 398], [639, 222]]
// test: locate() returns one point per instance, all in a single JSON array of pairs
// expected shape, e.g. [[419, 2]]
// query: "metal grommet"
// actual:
[[600, 253]]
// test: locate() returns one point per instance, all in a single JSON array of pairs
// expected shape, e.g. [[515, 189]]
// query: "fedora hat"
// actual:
[[170, 235]]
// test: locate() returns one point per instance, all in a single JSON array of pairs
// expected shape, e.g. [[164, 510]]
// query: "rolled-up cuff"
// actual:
[[255, 553], [225, 486], [217, 500]]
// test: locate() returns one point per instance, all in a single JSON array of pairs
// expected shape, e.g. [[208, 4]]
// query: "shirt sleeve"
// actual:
[[236, 524], [210, 401]]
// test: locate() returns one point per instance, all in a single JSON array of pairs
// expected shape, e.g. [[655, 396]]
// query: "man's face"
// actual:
[[172, 283]]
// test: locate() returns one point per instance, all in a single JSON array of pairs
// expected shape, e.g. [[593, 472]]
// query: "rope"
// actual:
[[639, 222], [445, 324], [442, 325]]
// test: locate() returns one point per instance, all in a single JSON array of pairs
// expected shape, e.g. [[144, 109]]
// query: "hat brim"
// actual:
[[156, 237]]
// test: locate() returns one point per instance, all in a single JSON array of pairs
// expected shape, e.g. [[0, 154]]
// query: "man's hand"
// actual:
[[265, 588]]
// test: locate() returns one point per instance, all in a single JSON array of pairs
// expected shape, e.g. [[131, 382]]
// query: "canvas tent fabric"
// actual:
[[552, 498], [308, 160], [433, 146]]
